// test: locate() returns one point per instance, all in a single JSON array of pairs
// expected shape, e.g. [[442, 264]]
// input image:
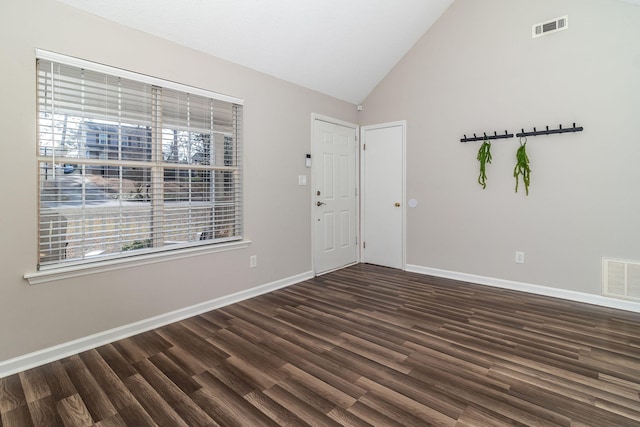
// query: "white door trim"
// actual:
[[328, 119], [315, 117], [363, 184]]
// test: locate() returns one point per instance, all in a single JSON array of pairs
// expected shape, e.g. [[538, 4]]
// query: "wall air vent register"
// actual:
[[621, 278], [550, 27]]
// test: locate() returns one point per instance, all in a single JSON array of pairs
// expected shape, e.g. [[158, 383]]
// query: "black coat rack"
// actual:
[[482, 138], [548, 131]]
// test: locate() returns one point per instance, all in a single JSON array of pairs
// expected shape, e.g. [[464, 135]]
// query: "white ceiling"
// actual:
[[342, 48]]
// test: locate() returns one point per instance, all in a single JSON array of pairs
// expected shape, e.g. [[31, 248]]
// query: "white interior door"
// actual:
[[383, 185], [335, 206]]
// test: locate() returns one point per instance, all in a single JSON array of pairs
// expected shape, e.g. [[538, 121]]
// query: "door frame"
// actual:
[[315, 117], [363, 185]]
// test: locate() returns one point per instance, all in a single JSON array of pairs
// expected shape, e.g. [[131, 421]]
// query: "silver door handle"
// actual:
[[320, 203]]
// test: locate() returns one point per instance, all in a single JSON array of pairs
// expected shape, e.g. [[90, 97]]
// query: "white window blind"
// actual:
[[127, 166]]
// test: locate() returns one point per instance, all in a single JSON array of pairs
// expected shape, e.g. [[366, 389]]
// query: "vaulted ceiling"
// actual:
[[342, 48]]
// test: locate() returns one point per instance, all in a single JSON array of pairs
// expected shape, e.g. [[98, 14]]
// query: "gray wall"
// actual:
[[478, 69], [277, 133]]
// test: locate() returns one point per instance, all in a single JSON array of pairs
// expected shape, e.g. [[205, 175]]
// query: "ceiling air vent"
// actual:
[[550, 27], [621, 279]]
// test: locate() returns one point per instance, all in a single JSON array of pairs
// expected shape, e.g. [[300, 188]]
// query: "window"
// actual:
[[129, 164]]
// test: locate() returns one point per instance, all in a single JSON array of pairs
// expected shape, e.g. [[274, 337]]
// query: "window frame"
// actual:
[[56, 270]]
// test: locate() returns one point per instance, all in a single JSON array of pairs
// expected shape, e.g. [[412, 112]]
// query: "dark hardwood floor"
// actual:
[[362, 346]]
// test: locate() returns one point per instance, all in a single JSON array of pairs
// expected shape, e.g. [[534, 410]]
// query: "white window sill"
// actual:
[[62, 273]]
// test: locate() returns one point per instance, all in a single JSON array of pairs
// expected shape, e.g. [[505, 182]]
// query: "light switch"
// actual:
[[302, 179]]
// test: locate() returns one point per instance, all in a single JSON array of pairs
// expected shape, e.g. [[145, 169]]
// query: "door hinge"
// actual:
[[364, 147], [364, 245]]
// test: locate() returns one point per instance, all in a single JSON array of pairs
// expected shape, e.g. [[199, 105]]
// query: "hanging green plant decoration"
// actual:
[[522, 166], [484, 157]]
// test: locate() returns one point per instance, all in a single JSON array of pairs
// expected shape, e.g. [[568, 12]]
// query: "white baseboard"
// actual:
[[530, 288], [51, 354]]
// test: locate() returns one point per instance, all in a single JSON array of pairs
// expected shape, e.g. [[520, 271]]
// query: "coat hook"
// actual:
[[534, 129], [574, 125], [560, 127], [547, 128], [474, 135], [465, 137]]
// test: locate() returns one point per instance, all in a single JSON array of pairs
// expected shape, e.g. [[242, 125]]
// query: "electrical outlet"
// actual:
[[519, 257], [253, 261]]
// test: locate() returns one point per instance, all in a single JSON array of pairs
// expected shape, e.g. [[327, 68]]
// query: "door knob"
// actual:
[[397, 204], [320, 203]]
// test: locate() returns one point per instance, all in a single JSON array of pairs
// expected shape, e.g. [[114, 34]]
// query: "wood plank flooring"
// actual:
[[361, 346]]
